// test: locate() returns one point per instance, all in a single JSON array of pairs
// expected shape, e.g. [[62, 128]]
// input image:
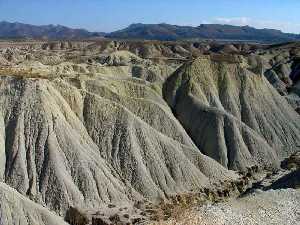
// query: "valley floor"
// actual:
[[258, 208]]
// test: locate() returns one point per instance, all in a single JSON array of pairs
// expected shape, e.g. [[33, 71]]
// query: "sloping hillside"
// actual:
[[95, 126], [95, 140], [232, 114]]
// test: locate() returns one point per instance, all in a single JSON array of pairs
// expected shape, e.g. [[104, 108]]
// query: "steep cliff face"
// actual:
[[232, 114]]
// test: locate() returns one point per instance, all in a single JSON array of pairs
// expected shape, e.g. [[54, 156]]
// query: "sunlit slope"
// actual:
[[232, 114]]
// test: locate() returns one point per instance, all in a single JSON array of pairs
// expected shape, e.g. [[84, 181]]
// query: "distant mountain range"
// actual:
[[21, 30], [163, 32], [204, 31]]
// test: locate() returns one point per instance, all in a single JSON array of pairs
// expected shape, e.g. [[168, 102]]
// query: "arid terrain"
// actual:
[[149, 132]]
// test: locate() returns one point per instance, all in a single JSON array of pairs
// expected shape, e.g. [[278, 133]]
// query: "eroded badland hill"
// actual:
[[149, 132]]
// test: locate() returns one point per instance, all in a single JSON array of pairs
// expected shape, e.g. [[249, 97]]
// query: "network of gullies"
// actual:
[[149, 132]]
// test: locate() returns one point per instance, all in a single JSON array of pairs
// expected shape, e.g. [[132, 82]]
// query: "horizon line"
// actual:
[[135, 23]]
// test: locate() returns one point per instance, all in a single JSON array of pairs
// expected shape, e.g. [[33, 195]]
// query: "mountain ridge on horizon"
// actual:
[[160, 31], [50, 31], [168, 32]]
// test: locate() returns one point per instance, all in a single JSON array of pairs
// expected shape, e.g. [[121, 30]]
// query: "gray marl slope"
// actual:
[[17, 209], [232, 114], [76, 129], [66, 146]]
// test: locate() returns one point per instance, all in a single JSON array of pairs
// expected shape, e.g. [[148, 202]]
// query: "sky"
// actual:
[[111, 15]]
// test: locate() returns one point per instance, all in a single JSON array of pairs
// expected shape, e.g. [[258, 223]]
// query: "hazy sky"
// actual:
[[109, 15]]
